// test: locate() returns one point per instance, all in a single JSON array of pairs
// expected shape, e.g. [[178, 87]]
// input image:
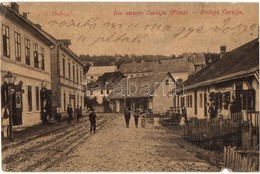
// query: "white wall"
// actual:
[[206, 90], [28, 74], [162, 101]]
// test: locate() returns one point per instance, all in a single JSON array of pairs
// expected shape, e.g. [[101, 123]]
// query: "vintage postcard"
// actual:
[[129, 86]]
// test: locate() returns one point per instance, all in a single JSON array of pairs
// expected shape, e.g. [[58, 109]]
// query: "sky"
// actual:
[[109, 28]]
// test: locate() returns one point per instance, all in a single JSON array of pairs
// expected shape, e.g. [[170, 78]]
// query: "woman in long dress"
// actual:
[[143, 118], [156, 122]]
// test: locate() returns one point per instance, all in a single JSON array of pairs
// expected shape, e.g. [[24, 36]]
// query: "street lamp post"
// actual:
[[9, 78]]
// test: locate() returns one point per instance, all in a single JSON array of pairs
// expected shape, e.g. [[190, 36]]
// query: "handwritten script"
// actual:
[[136, 33]]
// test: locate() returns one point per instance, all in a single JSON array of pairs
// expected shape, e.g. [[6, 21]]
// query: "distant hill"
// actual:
[[105, 60]]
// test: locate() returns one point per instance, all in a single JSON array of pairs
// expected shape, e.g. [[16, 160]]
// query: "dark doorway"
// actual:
[[205, 106], [195, 103]]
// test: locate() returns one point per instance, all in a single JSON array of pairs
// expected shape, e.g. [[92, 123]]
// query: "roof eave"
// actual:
[[233, 76]]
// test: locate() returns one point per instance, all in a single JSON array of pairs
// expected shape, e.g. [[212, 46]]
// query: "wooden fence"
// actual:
[[250, 130], [245, 159], [236, 117], [201, 130], [240, 160]]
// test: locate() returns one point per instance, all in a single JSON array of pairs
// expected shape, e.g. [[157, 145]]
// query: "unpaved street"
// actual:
[[112, 148], [46, 150]]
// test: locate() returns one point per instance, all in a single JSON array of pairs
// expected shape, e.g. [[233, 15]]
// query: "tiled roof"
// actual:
[[111, 78], [174, 65], [100, 70], [239, 62], [144, 86], [171, 65], [138, 67]]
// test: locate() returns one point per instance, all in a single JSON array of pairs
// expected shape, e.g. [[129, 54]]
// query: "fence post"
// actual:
[[228, 156], [239, 162], [225, 156]]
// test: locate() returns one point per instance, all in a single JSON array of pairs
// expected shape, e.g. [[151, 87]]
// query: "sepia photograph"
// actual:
[[129, 86]]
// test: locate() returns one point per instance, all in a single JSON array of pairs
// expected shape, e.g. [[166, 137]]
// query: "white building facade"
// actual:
[[25, 52], [67, 76]]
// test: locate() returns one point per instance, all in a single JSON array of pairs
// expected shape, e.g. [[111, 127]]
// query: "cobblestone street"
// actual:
[[112, 148]]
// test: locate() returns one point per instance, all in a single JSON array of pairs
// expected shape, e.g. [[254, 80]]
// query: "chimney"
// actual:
[[66, 42], [38, 26], [25, 15], [222, 51], [15, 7]]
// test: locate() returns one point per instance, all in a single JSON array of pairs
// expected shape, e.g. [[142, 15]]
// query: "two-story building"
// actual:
[[25, 52], [67, 77]]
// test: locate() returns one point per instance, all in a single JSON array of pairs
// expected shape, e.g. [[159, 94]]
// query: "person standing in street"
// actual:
[[127, 115], [78, 112], [136, 117], [58, 115], [143, 120], [184, 114], [5, 121], [92, 119], [70, 112], [156, 122]]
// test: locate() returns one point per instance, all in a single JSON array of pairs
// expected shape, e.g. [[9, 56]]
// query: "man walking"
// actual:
[[70, 112], [92, 119], [78, 112], [127, 115], [136, 116]]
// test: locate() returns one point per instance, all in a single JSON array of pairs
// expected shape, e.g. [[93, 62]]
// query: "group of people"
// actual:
[[138, 114], [214, 112], [78, 112]]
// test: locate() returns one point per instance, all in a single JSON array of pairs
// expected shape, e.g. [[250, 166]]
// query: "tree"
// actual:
[[90, 102], [86, 67], [118, 62]]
